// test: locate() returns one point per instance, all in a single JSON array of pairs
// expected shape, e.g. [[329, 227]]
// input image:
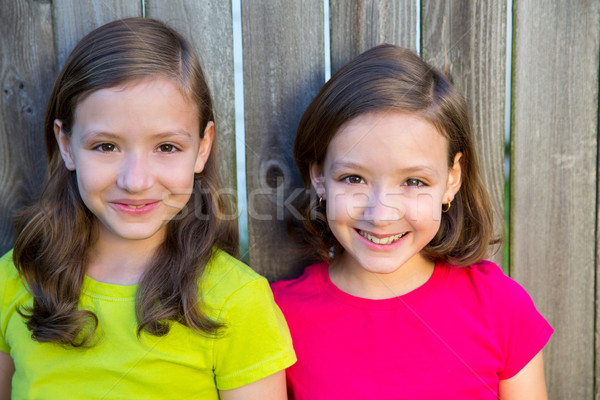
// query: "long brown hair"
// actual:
[[55, 233], [393, 78]]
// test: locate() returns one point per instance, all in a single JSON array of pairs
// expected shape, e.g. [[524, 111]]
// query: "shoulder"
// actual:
[[227, 279], [256, 341], [7, 267], [13, 294], [487, 278], [492, 287], [484, 271], [224, 268], [306, 285], [521, 330], [10, 281]]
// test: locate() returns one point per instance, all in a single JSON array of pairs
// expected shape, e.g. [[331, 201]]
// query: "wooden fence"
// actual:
[[553, 105]]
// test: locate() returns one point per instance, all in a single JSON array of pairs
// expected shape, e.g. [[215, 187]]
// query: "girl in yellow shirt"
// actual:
[[120, 284]]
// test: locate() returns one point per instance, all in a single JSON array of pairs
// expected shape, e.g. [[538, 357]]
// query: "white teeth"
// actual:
[[386, 240], [134, 206]]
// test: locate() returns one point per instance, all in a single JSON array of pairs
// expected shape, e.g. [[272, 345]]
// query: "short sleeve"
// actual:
[[523, 330], [256, 341]]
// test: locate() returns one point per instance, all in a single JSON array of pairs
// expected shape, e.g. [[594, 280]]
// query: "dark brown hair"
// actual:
[[55, 233], [392, 78]]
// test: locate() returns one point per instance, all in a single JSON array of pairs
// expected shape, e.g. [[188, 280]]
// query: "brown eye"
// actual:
[[107, 147], [166, 148], [413, 182], [354, 179]]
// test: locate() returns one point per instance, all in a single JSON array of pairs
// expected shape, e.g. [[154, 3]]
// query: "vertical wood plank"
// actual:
[[553, 178], [283, 71], [208, 26], [357, 26], [27, 71], [74, 19], [467, 41], [597, 313]]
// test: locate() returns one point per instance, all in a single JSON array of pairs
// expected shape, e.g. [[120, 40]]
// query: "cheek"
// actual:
[[424, 208], [91, 187], [93, 180], [183, 181], [175, 203], [180, 189], [175, 173], [345, 206]]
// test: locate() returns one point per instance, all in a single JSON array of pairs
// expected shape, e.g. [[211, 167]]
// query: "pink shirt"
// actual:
[[454, 337]]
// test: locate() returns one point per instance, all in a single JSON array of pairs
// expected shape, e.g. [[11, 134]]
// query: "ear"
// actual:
[[205, 146], [454, 179], [64, 144], [318, 179]]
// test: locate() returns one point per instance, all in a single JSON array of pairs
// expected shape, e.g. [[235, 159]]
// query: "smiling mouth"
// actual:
[[135, 207], [385, 240]]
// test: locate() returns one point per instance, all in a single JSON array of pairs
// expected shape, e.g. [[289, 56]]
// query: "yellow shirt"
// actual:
[[181, 365]]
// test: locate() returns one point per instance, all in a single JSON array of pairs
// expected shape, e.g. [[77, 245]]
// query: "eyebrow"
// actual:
[[345, 165], [95, 134], [409, 169], [187, 135], [420, 168]]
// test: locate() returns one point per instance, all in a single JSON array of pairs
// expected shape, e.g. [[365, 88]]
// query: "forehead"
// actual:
[[156, 81], [147, 106], [388, 134]]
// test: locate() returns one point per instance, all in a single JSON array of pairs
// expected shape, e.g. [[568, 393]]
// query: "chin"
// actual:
[[139, 234], [381, 266], [382, 269], [390, 263]]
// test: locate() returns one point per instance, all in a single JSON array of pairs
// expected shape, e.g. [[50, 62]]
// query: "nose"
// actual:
[[383, 207], [135, 175]]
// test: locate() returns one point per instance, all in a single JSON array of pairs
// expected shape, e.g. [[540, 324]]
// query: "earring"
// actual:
[[321, 202], [447, 208]]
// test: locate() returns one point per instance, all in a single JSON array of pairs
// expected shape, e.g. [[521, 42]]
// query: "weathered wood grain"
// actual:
[[283, 71], [208, 26], [553, 175], [597, 331], [357, 26], [74, 19], [27, 71], [467, 41]]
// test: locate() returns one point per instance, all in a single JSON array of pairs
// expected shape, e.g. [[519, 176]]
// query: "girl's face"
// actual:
[[384, 179], [135, 149]]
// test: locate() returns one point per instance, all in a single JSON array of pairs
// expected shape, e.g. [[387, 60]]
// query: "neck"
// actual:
[[118, 261], [352, 278]]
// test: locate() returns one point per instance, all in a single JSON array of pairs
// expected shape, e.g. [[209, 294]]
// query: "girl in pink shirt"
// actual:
[[401, 305]]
